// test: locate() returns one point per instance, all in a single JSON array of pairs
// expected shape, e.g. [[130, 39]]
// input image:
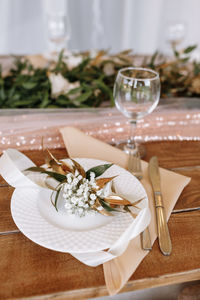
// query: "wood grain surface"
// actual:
[[30, 271]]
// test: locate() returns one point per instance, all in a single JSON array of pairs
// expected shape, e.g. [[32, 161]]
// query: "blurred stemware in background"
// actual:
[[175, 33], [58, 26], [58, 32], [136, 94]]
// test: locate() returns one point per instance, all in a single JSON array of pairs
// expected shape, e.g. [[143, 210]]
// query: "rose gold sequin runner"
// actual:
[[24, 131]]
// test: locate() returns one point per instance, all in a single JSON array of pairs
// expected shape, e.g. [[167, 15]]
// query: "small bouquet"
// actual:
[[83, 192]]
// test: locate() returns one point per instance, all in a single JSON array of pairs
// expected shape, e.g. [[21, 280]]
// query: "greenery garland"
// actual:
[[90, 82]]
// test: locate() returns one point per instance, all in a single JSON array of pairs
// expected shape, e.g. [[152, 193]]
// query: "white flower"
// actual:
[[93, 53], [92, 202], [86, 189], [73, 61], [94, 185], [68, 206], [74, 200], [66, 187], [80, 177], [80, 210], [80, 203], [69, 193], [75, 181], [100, 208], [79, 195], [99, 192], [109, 69], [60, 85], [79, 192], [86, 194], [92, 176], [93, 196], [69, 179]]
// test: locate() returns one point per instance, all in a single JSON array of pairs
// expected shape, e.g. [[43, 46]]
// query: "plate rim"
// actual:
[[52, 248]]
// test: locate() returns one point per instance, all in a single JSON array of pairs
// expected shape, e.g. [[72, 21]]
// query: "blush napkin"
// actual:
[[118, 270]]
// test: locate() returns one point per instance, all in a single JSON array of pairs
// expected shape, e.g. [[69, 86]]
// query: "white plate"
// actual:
[[36, 217]]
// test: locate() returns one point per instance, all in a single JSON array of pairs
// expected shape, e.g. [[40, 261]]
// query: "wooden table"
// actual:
[[28, 270]]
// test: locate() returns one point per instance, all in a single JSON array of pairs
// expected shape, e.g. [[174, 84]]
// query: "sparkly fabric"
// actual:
[[24, 130]]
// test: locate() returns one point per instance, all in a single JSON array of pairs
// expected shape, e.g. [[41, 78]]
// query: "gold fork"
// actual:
[[134, 166]]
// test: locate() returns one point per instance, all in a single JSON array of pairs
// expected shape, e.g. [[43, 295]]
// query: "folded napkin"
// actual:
[[118, 270]]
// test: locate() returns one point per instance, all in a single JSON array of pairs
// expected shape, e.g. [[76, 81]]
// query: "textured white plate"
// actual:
[[36, 217]]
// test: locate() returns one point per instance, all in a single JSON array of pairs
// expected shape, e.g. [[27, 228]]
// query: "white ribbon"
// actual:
[[13, 162], [94, 259]]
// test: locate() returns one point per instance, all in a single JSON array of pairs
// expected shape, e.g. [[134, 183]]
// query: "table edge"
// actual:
[[132, 285]]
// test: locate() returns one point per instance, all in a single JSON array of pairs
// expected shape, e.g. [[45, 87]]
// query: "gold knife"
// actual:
[[163, 231]]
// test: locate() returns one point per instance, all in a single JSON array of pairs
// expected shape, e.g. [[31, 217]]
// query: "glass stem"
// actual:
[[131, 140]]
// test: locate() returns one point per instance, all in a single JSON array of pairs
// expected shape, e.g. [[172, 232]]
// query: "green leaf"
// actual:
[[82, 65], [196, 68], [81, 98], [190, 49], [126, 52], [184, 60], [60, 61], [56, 176], [22, 103], [45, 100], [153, 58], [16, 97], [176, 53], [29, 85], [56, 198], [2, 94], [84, 106], [11, 92], [75, 91], [107, 207], [106, 89], [98, 170], [62, 101]]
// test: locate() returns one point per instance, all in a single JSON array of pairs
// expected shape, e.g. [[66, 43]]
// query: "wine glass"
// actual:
[[176, 33], [58, 31], [57, 27], [136, 94]]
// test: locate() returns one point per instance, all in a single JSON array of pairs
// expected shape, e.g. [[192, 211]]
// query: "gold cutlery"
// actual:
[[134, 166], [163, 231]]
